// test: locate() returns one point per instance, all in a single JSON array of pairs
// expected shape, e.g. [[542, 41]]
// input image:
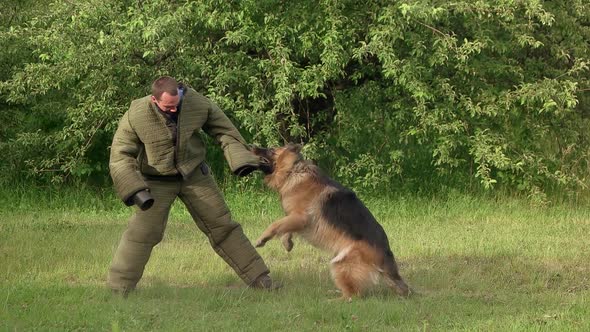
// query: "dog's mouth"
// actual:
[[266, 165]]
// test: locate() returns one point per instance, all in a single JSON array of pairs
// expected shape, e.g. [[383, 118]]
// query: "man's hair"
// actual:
[[164, 84]]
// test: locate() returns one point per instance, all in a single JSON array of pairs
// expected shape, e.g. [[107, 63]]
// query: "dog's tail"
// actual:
[[392, 276]]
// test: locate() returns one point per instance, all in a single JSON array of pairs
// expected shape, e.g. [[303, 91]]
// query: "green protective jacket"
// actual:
[[144, 145]]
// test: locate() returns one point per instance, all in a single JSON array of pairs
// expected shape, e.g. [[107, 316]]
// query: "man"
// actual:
[[157, 155]]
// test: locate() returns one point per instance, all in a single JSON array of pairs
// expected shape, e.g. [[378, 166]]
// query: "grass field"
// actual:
[[476, 264]]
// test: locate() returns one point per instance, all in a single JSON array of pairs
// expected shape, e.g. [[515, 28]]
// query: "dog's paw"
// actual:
[[260, 243], [288, 246], [287, 241], [347, 299]]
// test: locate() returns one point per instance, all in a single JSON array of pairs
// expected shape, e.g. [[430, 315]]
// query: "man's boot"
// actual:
[[265, 282]]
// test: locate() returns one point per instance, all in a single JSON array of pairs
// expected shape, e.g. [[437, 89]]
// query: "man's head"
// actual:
[[165, 94]]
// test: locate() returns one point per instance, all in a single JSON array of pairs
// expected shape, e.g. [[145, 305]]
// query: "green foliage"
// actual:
[[470, 94]]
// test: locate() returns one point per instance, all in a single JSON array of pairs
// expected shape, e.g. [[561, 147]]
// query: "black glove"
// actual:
[[143, 199], [245, 170], [264, 165]]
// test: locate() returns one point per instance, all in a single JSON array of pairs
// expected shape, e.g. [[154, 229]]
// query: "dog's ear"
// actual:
[[294, 147], [256, 150]]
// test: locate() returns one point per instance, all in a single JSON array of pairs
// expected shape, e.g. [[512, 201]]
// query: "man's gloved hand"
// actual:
[[264, 166], [245, 170], [143, 199]]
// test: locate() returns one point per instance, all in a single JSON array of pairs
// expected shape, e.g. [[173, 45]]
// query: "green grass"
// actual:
[[476, 264]]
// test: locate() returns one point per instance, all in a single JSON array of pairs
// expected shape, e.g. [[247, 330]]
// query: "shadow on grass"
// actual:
[[507, 273], [488, 278]]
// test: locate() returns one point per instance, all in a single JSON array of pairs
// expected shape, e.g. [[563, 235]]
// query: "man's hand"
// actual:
[[143, 199], [245, 170], [263, 166]]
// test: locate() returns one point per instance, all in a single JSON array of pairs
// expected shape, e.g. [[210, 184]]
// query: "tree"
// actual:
[[382, 93]]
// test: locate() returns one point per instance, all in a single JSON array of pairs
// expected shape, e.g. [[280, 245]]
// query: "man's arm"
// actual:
[[124, 168], [239, 157]]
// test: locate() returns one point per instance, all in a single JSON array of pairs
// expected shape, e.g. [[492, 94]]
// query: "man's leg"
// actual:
[[205, 203], [144, 231]]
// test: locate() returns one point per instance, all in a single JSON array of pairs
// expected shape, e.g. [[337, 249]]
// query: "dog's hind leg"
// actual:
[[350, 273], [392, 276], [345, 281]]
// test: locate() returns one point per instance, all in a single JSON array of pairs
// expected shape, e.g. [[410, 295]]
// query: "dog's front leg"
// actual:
[[287, 240], [287, 224]]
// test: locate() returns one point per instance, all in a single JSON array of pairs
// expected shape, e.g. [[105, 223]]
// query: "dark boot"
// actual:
[[124, 293], [265, 282]]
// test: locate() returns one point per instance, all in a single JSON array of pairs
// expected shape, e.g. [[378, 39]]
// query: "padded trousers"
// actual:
[[205, 203]]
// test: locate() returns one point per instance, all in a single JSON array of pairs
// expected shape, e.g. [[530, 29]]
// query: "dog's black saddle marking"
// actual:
[[345, 211]]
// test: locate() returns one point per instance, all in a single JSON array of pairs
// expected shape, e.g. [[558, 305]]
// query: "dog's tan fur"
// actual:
[[304, 191]]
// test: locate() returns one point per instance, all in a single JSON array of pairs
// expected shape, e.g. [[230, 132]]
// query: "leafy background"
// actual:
[[385, 95]]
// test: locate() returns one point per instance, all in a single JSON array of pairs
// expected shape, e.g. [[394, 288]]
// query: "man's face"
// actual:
[[167, 102]]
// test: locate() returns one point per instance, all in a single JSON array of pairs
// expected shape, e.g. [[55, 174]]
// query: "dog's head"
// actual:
[[278, 158]]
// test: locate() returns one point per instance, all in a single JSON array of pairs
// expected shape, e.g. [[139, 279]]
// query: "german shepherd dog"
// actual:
[[331, 217]]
